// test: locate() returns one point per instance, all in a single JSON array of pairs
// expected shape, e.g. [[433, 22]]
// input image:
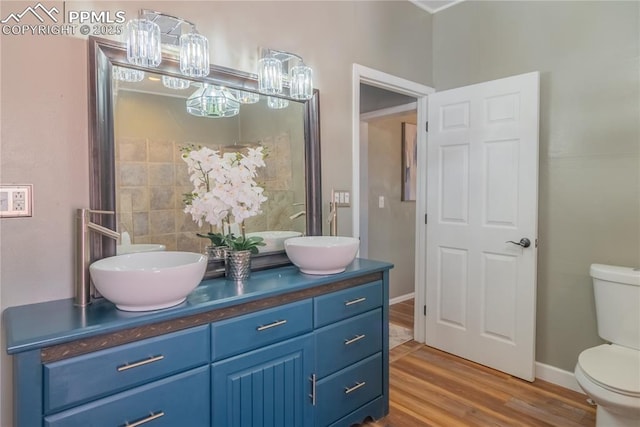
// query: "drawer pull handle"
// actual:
[[354, 339], [355, 301], [140, 363], [145, 420], [348, 390], [313, 389], [271, 325]]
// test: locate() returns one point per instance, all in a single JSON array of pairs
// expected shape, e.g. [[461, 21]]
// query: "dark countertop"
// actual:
[[50, 323]]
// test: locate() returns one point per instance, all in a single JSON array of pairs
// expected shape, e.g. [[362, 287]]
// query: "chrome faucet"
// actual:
[[82, 279], [333, 219], [297, 215]]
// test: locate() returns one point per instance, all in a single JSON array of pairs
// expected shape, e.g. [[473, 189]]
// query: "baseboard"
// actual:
[[401, 298], [557, 376]]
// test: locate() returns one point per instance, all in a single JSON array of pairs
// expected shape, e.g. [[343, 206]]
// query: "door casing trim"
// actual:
[[380, 79]]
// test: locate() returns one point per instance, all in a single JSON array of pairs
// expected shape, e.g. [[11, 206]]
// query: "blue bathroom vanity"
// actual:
[[281, 349]]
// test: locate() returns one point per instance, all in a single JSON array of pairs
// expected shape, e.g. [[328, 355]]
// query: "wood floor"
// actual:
[[401, 313], [429, 387]]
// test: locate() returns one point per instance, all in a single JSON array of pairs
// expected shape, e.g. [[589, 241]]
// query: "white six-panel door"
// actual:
[[482, 191]]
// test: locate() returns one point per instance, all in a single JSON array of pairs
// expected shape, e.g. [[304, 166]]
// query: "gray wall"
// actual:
[[589, 210], [45, 123], [391, 229]]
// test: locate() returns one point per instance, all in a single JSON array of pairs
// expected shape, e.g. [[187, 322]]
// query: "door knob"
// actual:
[[524, 242]]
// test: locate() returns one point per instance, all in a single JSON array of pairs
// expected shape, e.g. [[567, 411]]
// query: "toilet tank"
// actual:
[[617, 296]]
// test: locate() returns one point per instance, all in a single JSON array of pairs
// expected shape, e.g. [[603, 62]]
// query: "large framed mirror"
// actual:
[[138, 129]]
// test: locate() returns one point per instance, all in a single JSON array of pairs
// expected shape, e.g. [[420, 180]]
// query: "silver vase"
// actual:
[[238, 265], [216, 252]]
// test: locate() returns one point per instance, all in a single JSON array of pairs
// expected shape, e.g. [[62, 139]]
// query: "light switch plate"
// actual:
[[342, 198], [16, 201]]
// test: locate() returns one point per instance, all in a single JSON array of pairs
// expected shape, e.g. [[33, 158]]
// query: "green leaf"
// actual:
[[241, 243], [217, 239]]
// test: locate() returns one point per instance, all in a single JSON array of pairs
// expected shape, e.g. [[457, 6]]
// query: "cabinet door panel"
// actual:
[[343, 343], [349, 302], [94, 375], [347, 390], [180, 400], [268, 387]]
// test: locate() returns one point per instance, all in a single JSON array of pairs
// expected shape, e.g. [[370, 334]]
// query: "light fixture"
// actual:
[[146, 36], [194, 55], [175, 83], [277, 69], [143, 43], [212, 101], [277, 103], [127, 74], [270, 75], [153, 32], [245, 97], [301, 82]]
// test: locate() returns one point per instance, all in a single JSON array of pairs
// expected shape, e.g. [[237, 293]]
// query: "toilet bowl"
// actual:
[[610, 373]]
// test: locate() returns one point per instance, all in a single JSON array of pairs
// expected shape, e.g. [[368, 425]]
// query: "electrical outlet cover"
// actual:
[[16, 201]]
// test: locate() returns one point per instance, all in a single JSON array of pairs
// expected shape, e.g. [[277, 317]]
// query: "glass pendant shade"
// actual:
[[194, 55], [212, 101], [301, 82], [277, 103], [244, 97], [175, 83], [270, 76], [127, 74], [143, 43]]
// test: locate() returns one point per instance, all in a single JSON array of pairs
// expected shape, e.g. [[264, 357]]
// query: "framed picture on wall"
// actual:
[[409, 161]]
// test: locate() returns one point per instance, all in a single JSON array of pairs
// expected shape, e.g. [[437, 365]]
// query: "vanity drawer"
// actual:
[[347, 390], [243, 333], [348, 341], [180, 400], [349, 302], [90, 376]]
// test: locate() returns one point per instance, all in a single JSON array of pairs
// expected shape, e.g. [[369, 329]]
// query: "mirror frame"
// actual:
[[103, 55]]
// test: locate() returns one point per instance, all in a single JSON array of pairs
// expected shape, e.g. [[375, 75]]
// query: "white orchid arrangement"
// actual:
[[225, 189]]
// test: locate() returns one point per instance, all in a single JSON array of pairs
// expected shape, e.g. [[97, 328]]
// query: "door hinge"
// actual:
[[424, 309], [426, 126], [425, 218]]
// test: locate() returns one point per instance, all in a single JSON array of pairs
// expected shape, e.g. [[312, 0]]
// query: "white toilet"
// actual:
[[610, 373]]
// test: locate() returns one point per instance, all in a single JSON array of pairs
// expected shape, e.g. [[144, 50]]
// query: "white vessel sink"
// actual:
[[139, 247], [148, 280], [322, 254], [274, 240]]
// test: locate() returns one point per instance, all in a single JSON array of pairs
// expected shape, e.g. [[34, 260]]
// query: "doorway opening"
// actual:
[[388, 222], [373, 90]]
